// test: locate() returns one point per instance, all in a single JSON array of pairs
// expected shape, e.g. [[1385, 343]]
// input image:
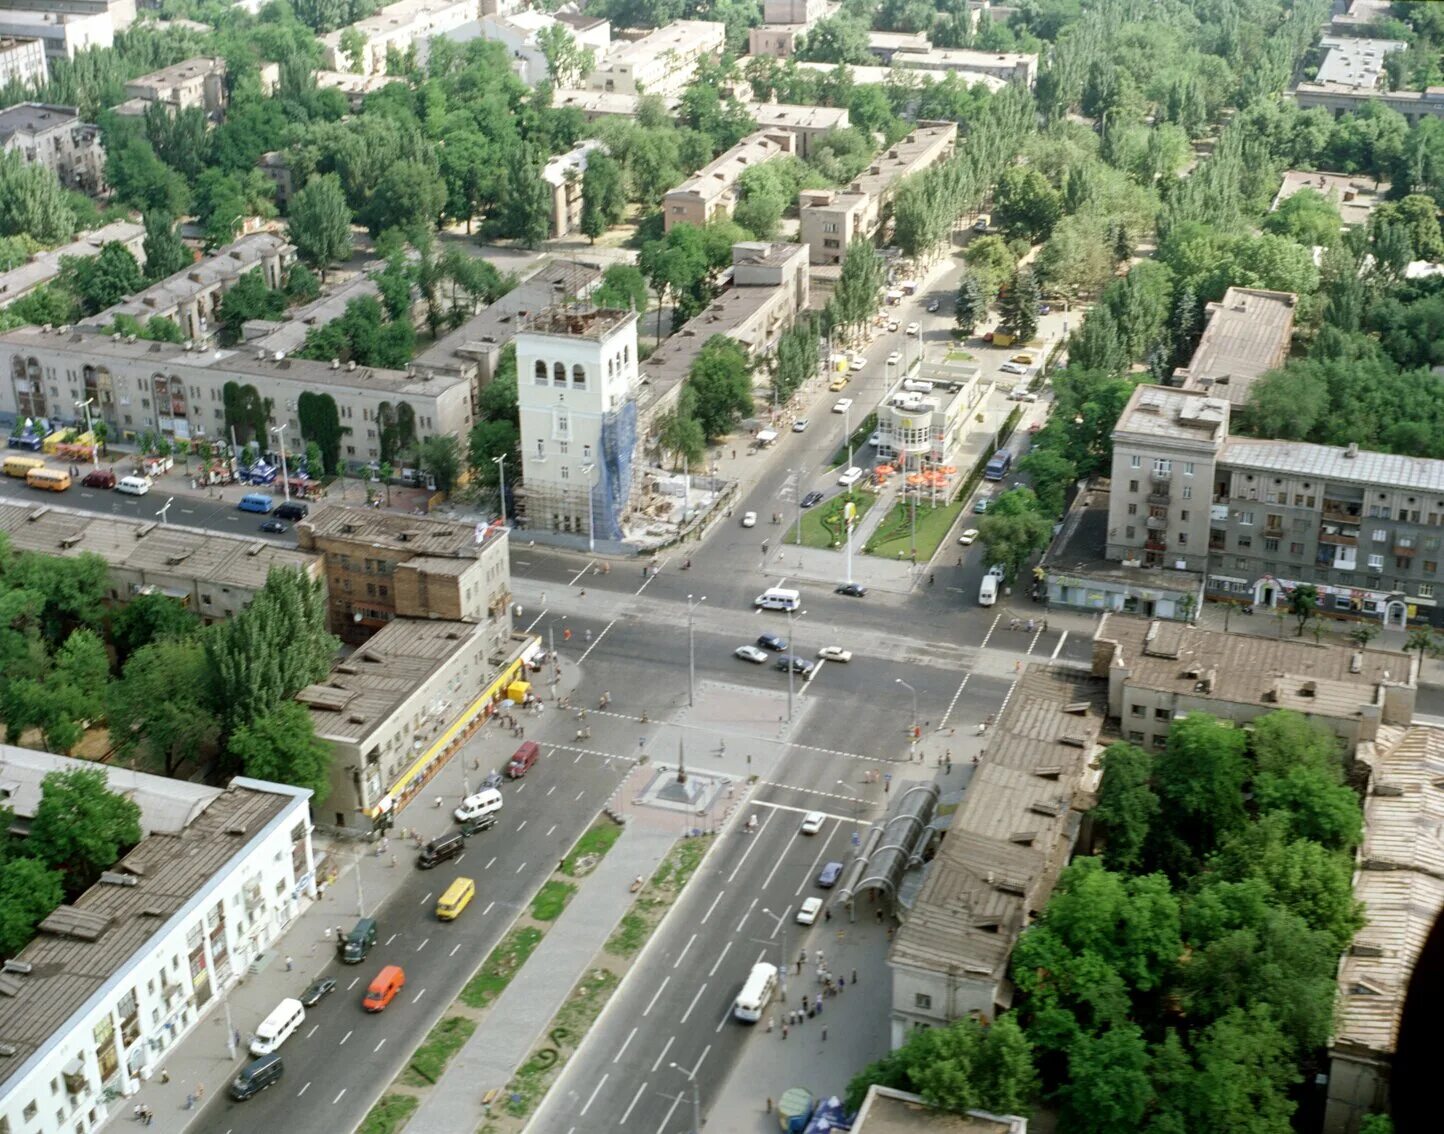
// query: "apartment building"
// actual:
[[909, 77], [1012, 66], [1247, 335], [663, 62], [62, 35], [886, 44], [398, 27], [55, 137], [806, 123], [518, 32], [181, 391], [198, 82], [830, 218], [96, 1003], [22, 61], [45, 266], [1352, 76], [564, 174], [713, 190]]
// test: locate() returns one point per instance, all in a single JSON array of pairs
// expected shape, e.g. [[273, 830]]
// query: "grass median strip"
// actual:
[[430, 1059], [388, 1115], [551, 899], [498, 969]]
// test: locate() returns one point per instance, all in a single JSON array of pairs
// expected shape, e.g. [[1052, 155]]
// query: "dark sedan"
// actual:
[[852, 590], [811, 498], [318, 991], [273, 526], [797, 665]]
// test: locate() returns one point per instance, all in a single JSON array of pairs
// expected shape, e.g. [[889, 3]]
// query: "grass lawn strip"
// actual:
[[893, 537], [551, 899], [822, 526], [389, 1114], [860, 435], [430, 1059]]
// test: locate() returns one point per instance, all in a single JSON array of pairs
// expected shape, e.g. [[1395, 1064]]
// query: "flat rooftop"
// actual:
[[195, 68], [35, 117], [148, 546], [681, 37], [1354, 195], [1078, 552], [1351, 61], [399, 15], [671, 362], [865, 76], [791, 116], [573, 162], [45, 266], [886, 1111], [421, 535], [1161, 412], [576, 320], [605, 104], [919, 149], [1329, 462], [1242, 669], [1248, 334], [169, 870], [224, 264], [961, 59], [721, 173]]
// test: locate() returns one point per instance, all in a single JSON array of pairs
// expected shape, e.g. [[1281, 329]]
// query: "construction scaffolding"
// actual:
[[612, 490]]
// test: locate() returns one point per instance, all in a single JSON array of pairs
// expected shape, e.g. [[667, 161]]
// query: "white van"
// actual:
[[850, 477], [988, 592], [756, 994], [778, 598], [475, 806], [276, 1028], [133, 485]]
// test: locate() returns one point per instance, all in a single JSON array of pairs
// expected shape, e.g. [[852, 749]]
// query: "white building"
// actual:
[[563, 174], [22, 61], [576, 377], [55, 137], [663, 62], [45, 266], [113, 982], [63, 34], [399, 27], [518, 33]]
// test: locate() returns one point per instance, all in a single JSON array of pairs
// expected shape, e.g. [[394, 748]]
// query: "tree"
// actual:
[[680, 433], [604, 194], [1303, 605], [80, 827], [248, 298], [835, 39], [179, 137], [971, 304], [1243, 1069], [409, 196], [28, 894], [623, 287], [1313, 804], [1422, 638], [721, 380], [32, 203], [320, 222], [1200, 778], [1309, 218], [283, 747], [1283, 740], [440, 456], [147, 618], [165, 254], [1097, 345], [1107, 1087], [142, 180], [353, 47], [526, 200], [102, 280], [158, 713], [860, 284], [567, 61], [1127, 805], [1011, 537], [1019, 306], [1025, 204], [487, 441]]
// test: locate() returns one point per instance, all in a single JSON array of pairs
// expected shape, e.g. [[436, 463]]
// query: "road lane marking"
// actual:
[[1059, 647], [520, 868], [696, 998], [701, 1057], [423, 945], [755, 840], [667, 1048], [378, 1047], [626, 1114], [552, 831], [392, 938], [667, 1119], [353, 984], [720, 957], [488, 908], [781, 858], [522, 827], [489, 865], [304, 1089], [312, 1032], [683, 953], [745, 916], [426, 899], [551, 789], [597, 1088], [344, 1039], [657, 994], [454, 948], [418, 996], [584, 790], [712, 907], [625, 1042], [339, 1097]]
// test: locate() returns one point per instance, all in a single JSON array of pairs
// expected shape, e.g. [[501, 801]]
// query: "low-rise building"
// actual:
[[1158, 670], [906, 77], [1357, 17], [886, 44], [63, 35], [999, 860], [564, 174], [191, 297], [398, 27], [1247, 335], [199, 82], [1013, 66], [518, 32], [662, 62], [22, 62], [45, 266], [807, 123], [1354, 196], [113, 981], [55, 137], [598, 104], [1352, 75], [923, 420], [713, 190], [888, 1111]]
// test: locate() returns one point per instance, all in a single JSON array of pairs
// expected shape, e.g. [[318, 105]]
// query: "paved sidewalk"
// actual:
[[496, 1049]]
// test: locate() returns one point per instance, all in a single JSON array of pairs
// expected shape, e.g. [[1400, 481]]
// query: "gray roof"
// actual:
[[1080, 550], [420, 535], [1354, 61], [224, 264], [1248, 333], [1385, 470], [1183, 415], [35, 118], [45, 266]]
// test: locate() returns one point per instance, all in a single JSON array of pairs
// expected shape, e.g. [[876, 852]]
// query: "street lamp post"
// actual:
[[781, 957], [587, 470], [501, 469], [94, 448], [285, 474], [691, 649], [912, 732], [696, 1096], [799, 510]]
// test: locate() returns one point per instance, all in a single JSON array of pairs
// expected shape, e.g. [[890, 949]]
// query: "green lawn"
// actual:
[[570, 1023], [893, 537], [389, 1115], [597, 840], [501, 966], [430, 1059], [822, 526], [551, 899]]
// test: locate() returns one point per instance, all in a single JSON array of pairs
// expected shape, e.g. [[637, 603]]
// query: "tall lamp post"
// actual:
[[691, 649], [285, 475], [912, 732], [782, 956], [501, 469], [591, 511], [696, 1096], [94, 448]]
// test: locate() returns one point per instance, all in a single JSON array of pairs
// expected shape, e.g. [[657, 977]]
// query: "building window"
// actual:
[[1182, 538], [1162, 464], [1245, 542], [541, 449], [1183, 516], [1245, 518], [566, 472], [1380, 535], [1376, 562], [1130, 532], [1162, 715], [1187, 468], [1188, 492], [579, 375], [1296, 549], [1401, 563], [1426, 590], [831, 244], [1271, 545], [559, 374], [922, 1000], [541, 373], [829, 226], [1431, 566], [1132, 486], [1133, 509], [1136, 710], [1135, 737], [1135, 461]]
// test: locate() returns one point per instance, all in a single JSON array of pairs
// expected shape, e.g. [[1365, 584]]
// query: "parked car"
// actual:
[[980, 225], [800, 425], [796, 664], [1023, 394], [894, 358], [874, 439], [750, 653], [1043, 309], [99, 478], [911, 329], [1013, 368], [812, 822], [850, 476], [892, 324], [772, 642], [968, 537], [842, 405], [933, 305], [317, 991], [857, 362], [1025, 359], [749, 519], [811, 499], [998, 571], [827, 877], [834, 653], [808, 911], [275, 527], [980, 505], [852, 590]]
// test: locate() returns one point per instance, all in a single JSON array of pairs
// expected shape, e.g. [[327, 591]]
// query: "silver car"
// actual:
[[750, 653]]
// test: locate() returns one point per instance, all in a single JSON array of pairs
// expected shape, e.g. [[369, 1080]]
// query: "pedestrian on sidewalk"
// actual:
[[770, 1021], [854, 976], [824, 1033], [164, 1075], [784, 1031], [841, 983], [200, 1091], [769, 1097], [190, 1101]]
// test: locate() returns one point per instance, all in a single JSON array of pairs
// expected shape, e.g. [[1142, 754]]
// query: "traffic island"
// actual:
[[823, 526]]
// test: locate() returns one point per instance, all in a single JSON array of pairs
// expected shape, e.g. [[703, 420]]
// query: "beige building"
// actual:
[[712, 191], [662, 62], [55, 137], [807, 123], [398, 27], [1352, 76], [887, 1111], [912, 78], [598, 104], [22, 62], [1015, 67], [62, 34], [564, 174], [1159, 670], [1247, 335], [45, 266], [196, 82], [1355, 196], [1010, 838], [214, 575]]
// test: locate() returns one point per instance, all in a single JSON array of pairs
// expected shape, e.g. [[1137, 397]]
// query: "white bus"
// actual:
[[778, 598], [757, 993]]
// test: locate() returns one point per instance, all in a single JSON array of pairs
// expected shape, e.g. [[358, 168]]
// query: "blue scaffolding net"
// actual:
[[613, 487]]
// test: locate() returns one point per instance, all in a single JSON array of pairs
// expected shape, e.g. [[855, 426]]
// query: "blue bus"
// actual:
[[998, 466], [256, 502]]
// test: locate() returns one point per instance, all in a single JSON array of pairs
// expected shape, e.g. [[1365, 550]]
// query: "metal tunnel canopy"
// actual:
[[895, 846]]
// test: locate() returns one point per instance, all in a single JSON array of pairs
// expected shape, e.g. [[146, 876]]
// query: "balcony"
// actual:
[[1338, 539], [1160, 476], [1405, 551], [1154, 543], [1160, 495], [1157, 523], [1341, 512]]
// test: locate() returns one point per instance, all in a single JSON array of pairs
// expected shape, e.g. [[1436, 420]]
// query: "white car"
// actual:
[[892, 324], [967, 538], [1013, 368], [749, 519], [842, 405], [1023, 394], [834, 653], [894, 358], [750, 653], [912, 329], [808, 911], [850, 477], [475, 806], [857, 362], [800, 425], [875, 440], [812, 822], [998, 571]]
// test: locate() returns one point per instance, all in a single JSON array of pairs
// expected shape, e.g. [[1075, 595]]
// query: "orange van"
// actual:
[[389, 981], [522, 760]]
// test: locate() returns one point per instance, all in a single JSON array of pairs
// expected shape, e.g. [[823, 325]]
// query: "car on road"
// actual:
[[933, 305], [850, 477], [857, 362], [968, 536], [1013, 368], [1025, 359], [851, 590], [827, 877], [317, 991], [481, 822], [980, 505], [750, 653], [273, 526], [892, 324], [1043, 309], [1023, 394], [812, 822], [894, 358], [911, 329], [811, 499], [808, 911], [834, 653], [772, 642], [980, 225], [800, 425], [749, 519], [842, 405], [797, 665], [874, 439], [99, 478]]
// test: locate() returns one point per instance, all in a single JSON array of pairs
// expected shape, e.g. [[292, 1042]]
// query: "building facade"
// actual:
[[22, 62], [564, 174], [805, 123], [111, 983], [518, 32], [398, 27], [194, 83], [63, 35], [55, 137], [663, 62], [713, 190]]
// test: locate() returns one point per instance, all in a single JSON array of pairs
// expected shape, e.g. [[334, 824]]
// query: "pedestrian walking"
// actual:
[[769, 1097], [437, 803], [817, 1004], [290, 964], [770, 1020], [784, 1031], [393, 862], [804, 1002], [854, 976], [827, 914], [878, 911], [841, 984], [200, 1091], [819, 958], [164, 1075], [190, 1101], [824, 1033], [235, 1037]]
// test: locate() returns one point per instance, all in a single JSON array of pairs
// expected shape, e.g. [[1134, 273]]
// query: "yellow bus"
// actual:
[[457, 897], [20, 466], [51, 480]]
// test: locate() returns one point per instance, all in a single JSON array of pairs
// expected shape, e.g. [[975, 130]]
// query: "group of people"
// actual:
[[144, 1114]]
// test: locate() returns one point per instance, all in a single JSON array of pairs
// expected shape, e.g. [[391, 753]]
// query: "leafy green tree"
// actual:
[[319, 224], [1303, 605], [1242, 1074], [440, 456], [283, 747], [158, 714], [622, 286], [28, 894], [148, 618], [1012, 535], [971, 305], [604, 194], [179, 137], [860, 284], [1127, 806], [408, 196], [567, 61], [80, 827], [320, 421], [1107, 1087], [526, 200], [1283, 740], [1200, 778], [1026, 205], [165, 254], [835, 39], [487, 441], [1309, 218], [721, 380], [142, 180], [72, 592], [680, 433], [32, 202], [102, 280], [248, 298], [1097, 345], [1019, 306]]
